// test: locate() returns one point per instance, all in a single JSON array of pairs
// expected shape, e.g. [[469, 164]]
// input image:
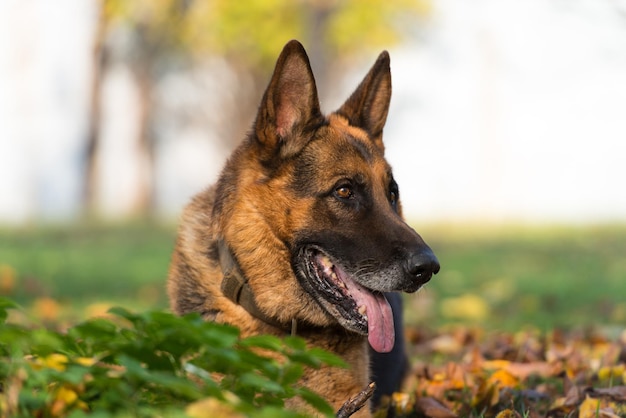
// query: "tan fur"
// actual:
[[281, 298], [257, 208]]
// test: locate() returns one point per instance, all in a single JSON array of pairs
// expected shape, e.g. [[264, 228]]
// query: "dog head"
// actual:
[[320, 202]]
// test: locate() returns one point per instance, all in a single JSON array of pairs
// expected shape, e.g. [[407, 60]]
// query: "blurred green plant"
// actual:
[[151, 364]]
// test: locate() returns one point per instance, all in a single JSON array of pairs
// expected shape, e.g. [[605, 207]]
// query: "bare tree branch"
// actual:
[[357, 402]]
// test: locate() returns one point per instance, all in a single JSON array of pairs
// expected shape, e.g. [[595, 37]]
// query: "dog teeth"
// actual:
[[363, 310], [326, 261], [340, 283]]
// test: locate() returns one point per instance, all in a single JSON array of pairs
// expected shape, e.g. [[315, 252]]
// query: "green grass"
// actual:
[[541, 276], [538, 276], [82, 265]]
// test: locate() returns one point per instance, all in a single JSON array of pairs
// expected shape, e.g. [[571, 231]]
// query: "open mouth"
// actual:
[[356, 307]]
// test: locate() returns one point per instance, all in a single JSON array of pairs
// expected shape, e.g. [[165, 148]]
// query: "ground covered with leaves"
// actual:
[[463, 372]]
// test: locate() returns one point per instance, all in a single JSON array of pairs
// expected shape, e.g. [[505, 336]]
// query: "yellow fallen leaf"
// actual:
[[589, 408], [211, 408], [439, 376], [66, 395], [615, 372], [599, 408], [55, 361], [522, 370], [64, 398], [503, 379], [495, 364], [434, 388], [452, 377], [538, 368], [401, 401], [558, 403], [508, 413], [85, 361]]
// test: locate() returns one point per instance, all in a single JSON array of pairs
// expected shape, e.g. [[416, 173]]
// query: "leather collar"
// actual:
[[236, 288]]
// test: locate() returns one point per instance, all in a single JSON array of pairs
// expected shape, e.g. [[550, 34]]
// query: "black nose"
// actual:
[[422, 265]]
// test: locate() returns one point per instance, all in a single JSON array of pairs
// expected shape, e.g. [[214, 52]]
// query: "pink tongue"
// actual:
[[380, 331]]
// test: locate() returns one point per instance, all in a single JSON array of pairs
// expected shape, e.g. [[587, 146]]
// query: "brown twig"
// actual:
[[356, 402]]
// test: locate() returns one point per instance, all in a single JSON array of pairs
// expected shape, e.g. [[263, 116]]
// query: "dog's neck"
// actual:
[[236, 288]]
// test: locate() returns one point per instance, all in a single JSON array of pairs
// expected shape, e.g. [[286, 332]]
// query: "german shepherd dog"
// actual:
[[304, 232]]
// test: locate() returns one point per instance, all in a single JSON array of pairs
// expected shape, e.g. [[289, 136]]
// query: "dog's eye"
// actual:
[[344, 192], [393, 198]]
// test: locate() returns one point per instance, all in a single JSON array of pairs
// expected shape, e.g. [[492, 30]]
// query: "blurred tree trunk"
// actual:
[[317, 45], [93, 133], [144, 201], [239, 107]]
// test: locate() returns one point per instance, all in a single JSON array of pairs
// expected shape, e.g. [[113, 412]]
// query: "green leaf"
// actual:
[[259, 383], [268, 342], [251, 360], [305, 358], [328, 358], [295, 343], [45, 342], [291, 373], [316, 401], [126, 314], [74, 374], [5, 305], [217, 335]]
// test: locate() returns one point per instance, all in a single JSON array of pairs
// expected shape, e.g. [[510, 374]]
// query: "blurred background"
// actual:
[[507, 134]]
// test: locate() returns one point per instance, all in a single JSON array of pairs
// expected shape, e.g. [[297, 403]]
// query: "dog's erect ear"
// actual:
[[290, 104], [368, 106]]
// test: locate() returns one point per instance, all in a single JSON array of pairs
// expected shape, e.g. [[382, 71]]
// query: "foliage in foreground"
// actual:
[[150, 364], [157, 364]]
